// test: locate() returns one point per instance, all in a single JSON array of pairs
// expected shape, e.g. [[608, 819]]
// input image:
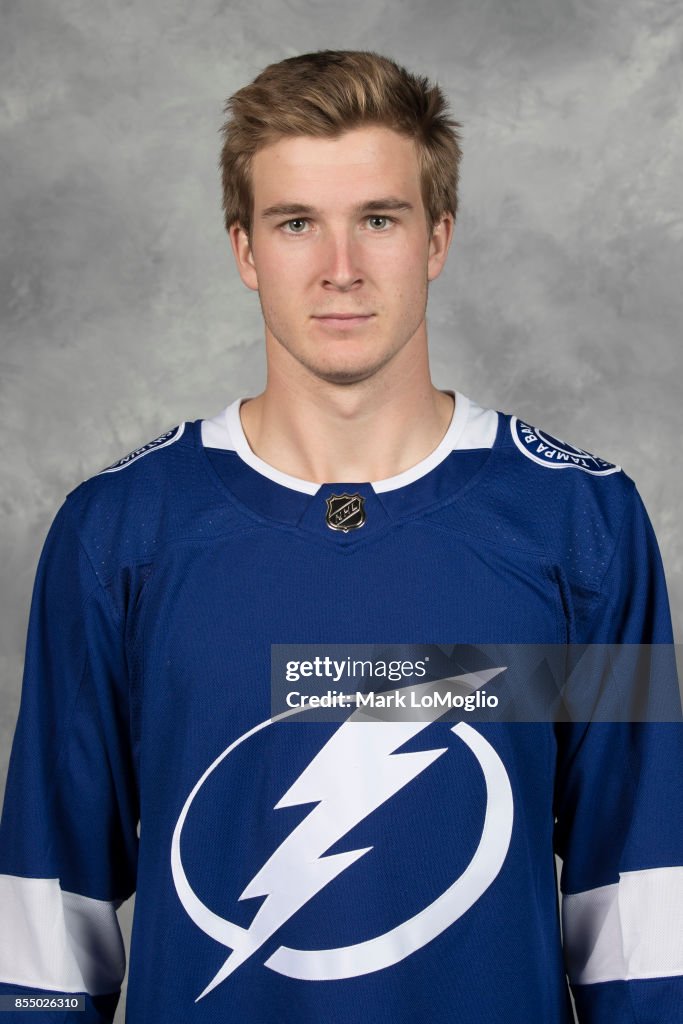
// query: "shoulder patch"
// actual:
[[159, 442], [552, 453]]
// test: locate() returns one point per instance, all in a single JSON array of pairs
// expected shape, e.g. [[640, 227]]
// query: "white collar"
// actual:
[[471, 426]]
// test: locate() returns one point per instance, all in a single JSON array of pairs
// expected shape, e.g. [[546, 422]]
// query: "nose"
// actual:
[[341, 260]]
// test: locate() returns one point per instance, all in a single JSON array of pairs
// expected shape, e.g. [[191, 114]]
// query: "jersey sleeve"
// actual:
[[68, 834], [618, 807]]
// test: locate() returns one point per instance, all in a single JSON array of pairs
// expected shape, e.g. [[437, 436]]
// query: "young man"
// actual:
[[349, 871]]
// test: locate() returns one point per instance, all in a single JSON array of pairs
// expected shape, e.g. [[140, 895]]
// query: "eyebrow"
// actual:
[[295, 209]]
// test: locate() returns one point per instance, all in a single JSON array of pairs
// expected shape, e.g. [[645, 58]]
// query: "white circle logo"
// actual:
[[552, 453]]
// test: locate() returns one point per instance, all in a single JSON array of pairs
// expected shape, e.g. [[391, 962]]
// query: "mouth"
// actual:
[[344, 321]]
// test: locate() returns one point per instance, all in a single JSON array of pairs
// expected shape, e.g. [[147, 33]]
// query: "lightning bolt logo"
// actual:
[[351, 776]]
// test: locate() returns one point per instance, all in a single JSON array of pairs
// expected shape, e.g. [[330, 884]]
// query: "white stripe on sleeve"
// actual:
[[632, 929], [59, 941]]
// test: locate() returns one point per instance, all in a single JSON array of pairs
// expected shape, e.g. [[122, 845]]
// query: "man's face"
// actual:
[[336, 244]]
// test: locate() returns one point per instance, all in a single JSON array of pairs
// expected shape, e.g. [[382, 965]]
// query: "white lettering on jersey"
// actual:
[[552, 453], [159, 442]]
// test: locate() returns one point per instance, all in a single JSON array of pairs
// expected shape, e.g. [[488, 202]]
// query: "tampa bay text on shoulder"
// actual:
[[405, 698]]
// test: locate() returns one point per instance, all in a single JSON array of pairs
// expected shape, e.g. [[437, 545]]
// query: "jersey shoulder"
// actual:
[[549, 465], [576, 501], [155, 494], [545, 498], [142, 471]]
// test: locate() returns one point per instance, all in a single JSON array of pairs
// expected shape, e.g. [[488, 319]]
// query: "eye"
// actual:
[[381, 216], [296, 220]]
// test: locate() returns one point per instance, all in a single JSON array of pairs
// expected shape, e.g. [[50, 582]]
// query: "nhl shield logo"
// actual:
[[345, 512]]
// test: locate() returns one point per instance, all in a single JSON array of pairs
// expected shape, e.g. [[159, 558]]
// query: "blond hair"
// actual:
[[325, 94]]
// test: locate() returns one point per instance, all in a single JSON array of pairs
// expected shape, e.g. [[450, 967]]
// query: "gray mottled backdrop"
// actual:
[[122, 312]]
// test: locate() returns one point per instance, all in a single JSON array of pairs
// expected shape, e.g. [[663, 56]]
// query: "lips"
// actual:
[[344, 322]]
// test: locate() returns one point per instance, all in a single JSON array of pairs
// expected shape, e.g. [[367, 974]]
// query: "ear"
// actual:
[[439, 244], [244, 258]]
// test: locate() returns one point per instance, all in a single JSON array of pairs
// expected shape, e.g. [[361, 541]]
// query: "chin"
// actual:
[[344, 374], [348, 367]]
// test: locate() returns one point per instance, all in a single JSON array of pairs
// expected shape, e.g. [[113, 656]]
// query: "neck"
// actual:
[[368, 430]]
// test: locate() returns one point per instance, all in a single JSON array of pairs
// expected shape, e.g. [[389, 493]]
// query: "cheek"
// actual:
[[405, 285], [280, 293], [404, 268], [284, 273]]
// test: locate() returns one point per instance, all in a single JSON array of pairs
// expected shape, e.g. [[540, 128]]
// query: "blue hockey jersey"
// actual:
[[337, 872]]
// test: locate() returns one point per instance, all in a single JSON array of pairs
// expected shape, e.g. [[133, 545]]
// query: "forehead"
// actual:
[[372, 160]]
